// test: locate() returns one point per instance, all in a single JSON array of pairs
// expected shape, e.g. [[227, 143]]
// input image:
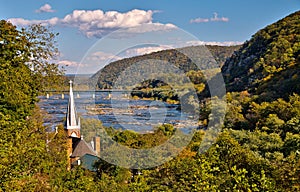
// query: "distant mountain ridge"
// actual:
[[105, 78]]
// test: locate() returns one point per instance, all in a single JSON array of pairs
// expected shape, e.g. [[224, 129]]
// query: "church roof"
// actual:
[[81, 148], [88, 161]]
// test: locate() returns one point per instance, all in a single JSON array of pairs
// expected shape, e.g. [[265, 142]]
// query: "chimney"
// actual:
[[93, 144], [97, 145]]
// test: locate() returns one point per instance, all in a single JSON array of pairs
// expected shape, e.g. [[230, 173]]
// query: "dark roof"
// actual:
[[81, 148], [88, 161]]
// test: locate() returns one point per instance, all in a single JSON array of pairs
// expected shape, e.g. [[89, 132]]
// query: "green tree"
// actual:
[[25, 69], [27, 161]]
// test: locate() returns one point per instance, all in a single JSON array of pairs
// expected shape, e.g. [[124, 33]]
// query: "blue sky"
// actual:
[[87, 43]]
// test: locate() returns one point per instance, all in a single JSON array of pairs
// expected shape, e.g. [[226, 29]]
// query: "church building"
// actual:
[[78, 150]]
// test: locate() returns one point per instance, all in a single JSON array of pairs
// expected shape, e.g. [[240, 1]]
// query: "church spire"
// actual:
[[72, 121]]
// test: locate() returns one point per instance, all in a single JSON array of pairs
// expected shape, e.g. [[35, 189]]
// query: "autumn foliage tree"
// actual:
[[25, 70]]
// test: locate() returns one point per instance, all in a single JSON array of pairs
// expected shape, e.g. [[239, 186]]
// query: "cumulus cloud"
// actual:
[[97, 23], [215, 18], [45, 9]]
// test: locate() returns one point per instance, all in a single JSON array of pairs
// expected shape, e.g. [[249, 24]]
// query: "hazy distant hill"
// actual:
[[268, 64], [106, 76]]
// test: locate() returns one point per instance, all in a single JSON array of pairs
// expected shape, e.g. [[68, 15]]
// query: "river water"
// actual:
[[114, 110]]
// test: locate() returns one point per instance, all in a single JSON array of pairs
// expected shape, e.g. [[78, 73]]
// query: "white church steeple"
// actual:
[[72, 120]]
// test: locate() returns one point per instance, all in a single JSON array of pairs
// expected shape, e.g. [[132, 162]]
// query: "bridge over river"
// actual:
[[102, 90], [93, 93]]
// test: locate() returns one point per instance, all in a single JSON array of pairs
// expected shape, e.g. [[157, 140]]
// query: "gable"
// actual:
[[82, 148]]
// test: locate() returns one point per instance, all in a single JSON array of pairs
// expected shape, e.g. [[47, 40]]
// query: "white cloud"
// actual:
[[102, 56], [145, 50], [74, 67], [96, 23], [199, 20], [45, 9], [23, 22], [215, 18], [69, 63], [225, 43]]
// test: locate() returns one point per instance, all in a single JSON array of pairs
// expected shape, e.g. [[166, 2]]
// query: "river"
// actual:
[[114, 110]]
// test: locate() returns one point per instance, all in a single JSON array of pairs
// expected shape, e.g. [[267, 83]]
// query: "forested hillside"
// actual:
[[268, 64], [106, 77]]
